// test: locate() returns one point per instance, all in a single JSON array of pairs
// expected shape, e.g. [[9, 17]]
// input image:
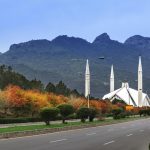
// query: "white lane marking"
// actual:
[[129, 134], [90, 133], [58, 140], [141, 130], [109, 142]]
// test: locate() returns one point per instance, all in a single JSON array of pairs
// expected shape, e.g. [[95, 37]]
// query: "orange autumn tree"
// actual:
[[29, 102], [101, 106], [22, 102], [55, 100], [36, 100], [4, 105], [78, 102], [15, 98]]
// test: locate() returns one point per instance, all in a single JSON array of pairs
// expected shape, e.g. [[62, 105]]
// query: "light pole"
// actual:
[[88, 97]]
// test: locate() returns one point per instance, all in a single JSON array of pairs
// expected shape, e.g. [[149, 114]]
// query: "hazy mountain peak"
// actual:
[[104, 37], [32, 43], [64, 39], [138, 41]]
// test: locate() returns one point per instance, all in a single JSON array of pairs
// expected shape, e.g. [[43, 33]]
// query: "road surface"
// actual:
[[134, 135]]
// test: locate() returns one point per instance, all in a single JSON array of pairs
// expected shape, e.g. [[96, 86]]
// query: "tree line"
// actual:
[[8, 76]]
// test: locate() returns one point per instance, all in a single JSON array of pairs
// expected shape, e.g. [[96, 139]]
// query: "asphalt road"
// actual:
[[134, 135]]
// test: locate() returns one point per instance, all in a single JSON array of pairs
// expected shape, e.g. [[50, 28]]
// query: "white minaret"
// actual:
[[112, 79], [140, 83], [87, 80]]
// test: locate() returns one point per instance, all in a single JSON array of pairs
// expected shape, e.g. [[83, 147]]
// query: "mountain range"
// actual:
[[64, 58]]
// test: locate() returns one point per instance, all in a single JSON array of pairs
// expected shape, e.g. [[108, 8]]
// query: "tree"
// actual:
[[4, 105], [36, 84], [92, 114], [83, 113], [117, 113], [65, 111], [9, 77], [75, 93], [61, 88], [48, 114], [50, 88], [15, 98]]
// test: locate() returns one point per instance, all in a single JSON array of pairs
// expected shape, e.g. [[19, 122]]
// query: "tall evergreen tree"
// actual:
[[61, 88], [50, 88]]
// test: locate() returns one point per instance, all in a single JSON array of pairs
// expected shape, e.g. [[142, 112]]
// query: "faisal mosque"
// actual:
[[130, 96]]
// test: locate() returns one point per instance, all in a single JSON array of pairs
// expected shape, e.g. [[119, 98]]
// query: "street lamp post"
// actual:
[[88, 97]]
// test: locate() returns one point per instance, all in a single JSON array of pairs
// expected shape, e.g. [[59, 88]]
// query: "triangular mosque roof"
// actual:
[[128, 95]]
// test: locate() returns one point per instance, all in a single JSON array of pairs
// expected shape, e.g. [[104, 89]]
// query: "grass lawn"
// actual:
[[40, 127]]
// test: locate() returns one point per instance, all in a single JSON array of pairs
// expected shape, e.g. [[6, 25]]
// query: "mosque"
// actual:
[[130, 96]]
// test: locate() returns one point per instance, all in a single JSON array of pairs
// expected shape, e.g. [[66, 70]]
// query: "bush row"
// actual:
[[65, 110], [31, 119], [120, 113], [18, 120], [144, 112]]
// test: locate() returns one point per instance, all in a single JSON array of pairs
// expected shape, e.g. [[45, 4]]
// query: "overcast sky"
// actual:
[[24, 20]]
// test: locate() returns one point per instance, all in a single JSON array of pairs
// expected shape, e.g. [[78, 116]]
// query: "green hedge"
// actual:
[[30, 119], [144, 112], [18, 120]]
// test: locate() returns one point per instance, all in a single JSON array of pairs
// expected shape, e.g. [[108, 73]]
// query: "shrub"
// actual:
[[92, 114], [65, 111], [49, 114], [117, 113], [83, 113], [142, 112], [148, 111], [128, 113], [123, 115]]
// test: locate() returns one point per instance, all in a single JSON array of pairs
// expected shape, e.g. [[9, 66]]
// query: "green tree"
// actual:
[[36, 84], [92, 114], [75, 92], [83, 113], [61, 88], [117, 113], [50, 88], [65, 111], [49, 114]]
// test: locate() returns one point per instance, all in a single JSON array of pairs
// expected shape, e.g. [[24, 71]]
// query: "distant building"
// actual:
[[130, 96]]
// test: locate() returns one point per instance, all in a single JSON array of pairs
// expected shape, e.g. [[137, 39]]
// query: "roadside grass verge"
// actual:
[[107, 121]]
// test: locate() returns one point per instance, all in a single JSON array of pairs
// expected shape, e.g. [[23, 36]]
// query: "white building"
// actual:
[[130, 96]]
